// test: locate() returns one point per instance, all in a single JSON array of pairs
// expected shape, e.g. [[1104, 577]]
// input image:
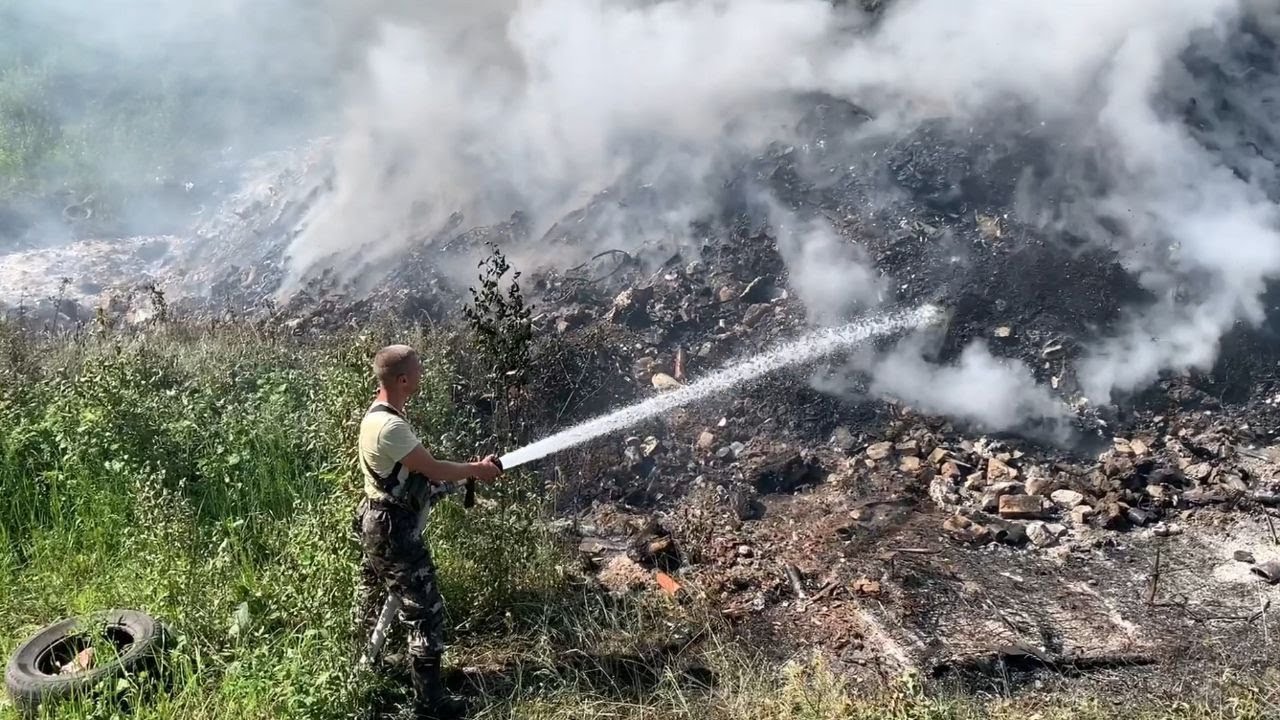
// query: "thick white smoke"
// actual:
[[1186, 218], [560, 98], [495, 106], [543, 103]]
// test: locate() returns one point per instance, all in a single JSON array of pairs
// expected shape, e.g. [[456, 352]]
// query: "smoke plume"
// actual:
[[1162, 118]]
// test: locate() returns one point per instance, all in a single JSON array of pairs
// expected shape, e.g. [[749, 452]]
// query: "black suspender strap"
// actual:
[[394, 477]]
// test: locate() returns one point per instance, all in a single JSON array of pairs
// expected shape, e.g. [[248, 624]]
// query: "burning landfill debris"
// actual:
[[1079, 466]]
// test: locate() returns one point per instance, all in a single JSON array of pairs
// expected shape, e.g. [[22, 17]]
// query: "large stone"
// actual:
[[842, 439], [998, 471], [880, 450], [965, 530], [664, 382], [1044, 534], [1115, 516], [1021, 507], [1066, 498], [1080, 514], [706, 440], [755, 314], [911, 465], [1039, 482], [782, 471], [1009, 487], [1199, 472], [629, 306], [910, 447]]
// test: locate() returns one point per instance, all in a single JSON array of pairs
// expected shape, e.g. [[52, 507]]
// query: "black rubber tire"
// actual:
[[29, 685]]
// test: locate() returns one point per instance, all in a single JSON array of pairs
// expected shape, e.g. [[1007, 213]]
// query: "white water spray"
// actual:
[[804, 349]]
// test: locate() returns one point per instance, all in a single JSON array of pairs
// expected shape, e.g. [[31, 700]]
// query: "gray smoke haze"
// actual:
[[493, 107]]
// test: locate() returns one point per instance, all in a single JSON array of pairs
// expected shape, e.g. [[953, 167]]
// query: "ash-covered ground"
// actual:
[[1014, 500]]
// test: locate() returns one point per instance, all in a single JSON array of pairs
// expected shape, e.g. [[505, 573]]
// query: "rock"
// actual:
[[726, 294], [1157, 492], [1138, 447], [1115, 516], [938, 456], [950, 469], [866, 587], [880, 450], [1067, 498], [706, 440], [643, 368], [650, 446], [1008, 487], [664, 382], [907, 448], [1003, 331], [842, 439], [745, 551], [1038, 482], [783, 471], [1232, 481], [1021, 507], [1044, 534], [1269, 571], [975, 481], [1166, 530], [965, 530], [1009, 533], [755, 314], [1122, 446], [737, 448], [910, 465], [1199, 472], [1080, 514], [1117, 465], [1243, 556], [629, 306], [998, 471]]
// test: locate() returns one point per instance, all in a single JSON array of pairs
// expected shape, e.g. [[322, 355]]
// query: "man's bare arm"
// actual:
[[419, 460]]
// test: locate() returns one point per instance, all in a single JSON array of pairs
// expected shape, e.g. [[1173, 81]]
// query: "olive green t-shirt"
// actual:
[[385, 439]]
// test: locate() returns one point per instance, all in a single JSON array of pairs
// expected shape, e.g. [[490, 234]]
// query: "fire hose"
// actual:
[[392, 606]]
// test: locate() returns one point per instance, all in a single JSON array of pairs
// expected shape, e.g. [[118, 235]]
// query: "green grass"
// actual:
[[209, 478]]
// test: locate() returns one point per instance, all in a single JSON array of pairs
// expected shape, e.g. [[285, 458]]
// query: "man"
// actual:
[[401, 480]]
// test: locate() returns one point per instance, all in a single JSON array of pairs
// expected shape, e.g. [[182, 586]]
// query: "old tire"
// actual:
[[33, 675]]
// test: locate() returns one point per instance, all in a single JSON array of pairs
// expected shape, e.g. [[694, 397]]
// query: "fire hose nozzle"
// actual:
[[469, 495]]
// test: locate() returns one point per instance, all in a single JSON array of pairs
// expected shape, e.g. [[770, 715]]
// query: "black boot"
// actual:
[[432, 700]]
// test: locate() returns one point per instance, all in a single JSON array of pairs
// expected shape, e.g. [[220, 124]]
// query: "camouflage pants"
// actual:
[[396, 560]]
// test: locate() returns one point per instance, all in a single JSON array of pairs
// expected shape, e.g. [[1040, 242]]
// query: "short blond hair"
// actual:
[[393, 361]]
